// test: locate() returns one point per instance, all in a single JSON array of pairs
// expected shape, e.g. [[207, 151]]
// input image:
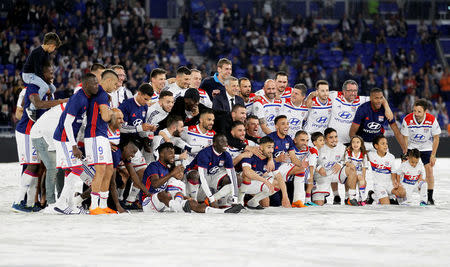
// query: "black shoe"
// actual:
[[259, 207], [187, 207], [370, 198], [31, 114], [352, 202], [337, 200], [430, 202], [393, 201], [235, 208], [346, 201]]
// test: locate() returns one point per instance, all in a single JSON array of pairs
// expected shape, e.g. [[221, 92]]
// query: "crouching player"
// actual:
[[385, 182], [411, 176], [263, 184], [331, 165], [167, 189]]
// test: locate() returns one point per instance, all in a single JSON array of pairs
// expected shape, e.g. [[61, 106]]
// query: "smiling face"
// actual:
[[323, 92], [238, 132], [196, 79], [382, 146], [245, 88], [267, 149], [224, 71], [376, 99], [281, 83], [270, 90], [207, 121], [159, 82], [221, 144], [166, 103], [331, 139], [282, 127], [351, 92], [356, 144], [419, 113], [301, 141], [167, 156]]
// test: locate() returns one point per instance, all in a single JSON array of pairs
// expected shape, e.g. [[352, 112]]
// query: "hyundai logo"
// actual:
[[419, 137], [345, 115], [214, 170], [373, 125], [137, 122], [322, 119], [270, 118], [329, 165], [294, 121]]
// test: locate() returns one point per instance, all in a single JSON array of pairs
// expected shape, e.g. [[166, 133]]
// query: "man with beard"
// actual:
[[266, 108], [196, 80], [171, 134], [245, 88], [181, 84]]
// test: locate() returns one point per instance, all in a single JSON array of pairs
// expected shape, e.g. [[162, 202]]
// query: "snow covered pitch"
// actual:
[[315, 236]]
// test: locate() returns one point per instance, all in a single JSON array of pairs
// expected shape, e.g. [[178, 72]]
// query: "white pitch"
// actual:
[[315, 236]]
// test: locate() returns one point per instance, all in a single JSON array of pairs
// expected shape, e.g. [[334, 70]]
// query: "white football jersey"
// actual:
[[46, 125], [264, 108], [409, 174], [382, 167], [195, 138], [342, 114], [295, 115], [330, 156], [420, 135], [204, 98], [249, 103], [114, 136], [359, 160], [318, 116], [176, 90]]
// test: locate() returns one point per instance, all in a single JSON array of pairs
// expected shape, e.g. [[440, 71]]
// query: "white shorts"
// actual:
[[284, 170], [88, 173], [321, 189], [256, 187], [138, 161], [383, 188], [153, 204], [25, 149], [342, 176], [64, 155], [213, 181], [98, 150]]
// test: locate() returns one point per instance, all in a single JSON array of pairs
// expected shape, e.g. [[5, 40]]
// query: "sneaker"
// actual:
[[37, 207], [21, 207], [310, 204], [187, 207], [31, 114], [298, 204], [50, 209], [352, 202], [370, 199], [109, 210], [393, 201], [207, 202], [337, 200], [97, 211], [423, 204], [71, 211], [346, 201], [259, 207], [430, 202], [235, 208]]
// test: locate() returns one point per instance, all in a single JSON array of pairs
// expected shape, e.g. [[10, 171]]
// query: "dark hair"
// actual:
[[315, 136], [301, 87], [183, 70], [421, 103], [109, 71], [97, 66], [265, 139], [206, 111], [166, 145], [300, 132], [156, 72], [363, 146], [172, 119], [328, 131], [377, 139], [236, 123], [376, 90], [52, 38], [87, 76], [252, 117], [193, 94], [146, 89], [279, 117], [244, 79], [320, 82], [415, 153], [236, 107], [164, 94], [217, 136], [280, 73]]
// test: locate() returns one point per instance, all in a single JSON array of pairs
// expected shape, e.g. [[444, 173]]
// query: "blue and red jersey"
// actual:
[[96, 126]]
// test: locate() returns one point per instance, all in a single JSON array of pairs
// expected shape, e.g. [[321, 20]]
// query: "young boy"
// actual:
[[385, 180], [318, 141], [33, 69], [410, 175]]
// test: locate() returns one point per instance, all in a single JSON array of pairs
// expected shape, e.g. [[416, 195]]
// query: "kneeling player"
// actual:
[[167, 188], [411, 176], [263, 184], [384, 179], [331, 165]]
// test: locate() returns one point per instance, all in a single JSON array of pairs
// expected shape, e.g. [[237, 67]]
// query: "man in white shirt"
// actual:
[[121, 94], [181, 84], [196, 80], [266, 108]]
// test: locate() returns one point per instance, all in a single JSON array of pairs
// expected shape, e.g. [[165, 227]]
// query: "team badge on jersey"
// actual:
[[380, 118], [221, 163], [287, 145]]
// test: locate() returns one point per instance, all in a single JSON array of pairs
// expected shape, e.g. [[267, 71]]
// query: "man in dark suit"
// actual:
[[228, 98]]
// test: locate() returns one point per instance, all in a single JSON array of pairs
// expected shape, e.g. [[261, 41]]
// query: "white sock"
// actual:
[[214, 210], [176, 206], [67, 193], [336, 193], [31, 192], [423, 191], [224, 191], [346, 194], [95, 197], [352, 193], [133, 193], [254, 202], [120, 192], [24, 183], [104, 199], [299, 188], [362, 193], [242, 191]]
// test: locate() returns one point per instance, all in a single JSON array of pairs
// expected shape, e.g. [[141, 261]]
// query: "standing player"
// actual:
[[245, 89], [319, 105], [196, 80], [25, 149], [97, 70], [382, 162], [121, 94], [283, 90], [332, 167], [294, 109], [267, 107], [411, 176], [98, 149], [421, 131]]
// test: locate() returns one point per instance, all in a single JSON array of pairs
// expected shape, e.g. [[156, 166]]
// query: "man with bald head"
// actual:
[[266, 108]]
